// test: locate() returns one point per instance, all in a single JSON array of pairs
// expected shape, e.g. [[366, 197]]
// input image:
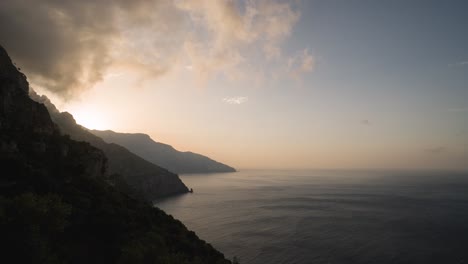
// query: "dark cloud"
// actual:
[[65, 45]]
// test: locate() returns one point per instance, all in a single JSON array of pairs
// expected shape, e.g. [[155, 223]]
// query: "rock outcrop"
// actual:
[[162, 154]]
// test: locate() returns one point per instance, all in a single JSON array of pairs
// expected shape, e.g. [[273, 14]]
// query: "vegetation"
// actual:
[[56, 203], [61, 219]]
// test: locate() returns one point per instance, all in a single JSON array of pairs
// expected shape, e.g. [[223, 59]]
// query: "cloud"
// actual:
[[366, 122], [68, 45], [301, 63], [227, 34], [435, 150], [235, 100], [459, 64]]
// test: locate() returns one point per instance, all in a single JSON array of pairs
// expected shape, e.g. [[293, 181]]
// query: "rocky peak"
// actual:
[[28, 132], [10, 75], [17, 111]]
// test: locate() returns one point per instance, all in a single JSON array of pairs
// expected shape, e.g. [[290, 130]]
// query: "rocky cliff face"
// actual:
[[56, 205], [17, 113], [163, 154], [143, 176], [27, 131]]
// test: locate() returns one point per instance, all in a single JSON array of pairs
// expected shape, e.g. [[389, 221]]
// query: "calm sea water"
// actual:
[[329, 216]]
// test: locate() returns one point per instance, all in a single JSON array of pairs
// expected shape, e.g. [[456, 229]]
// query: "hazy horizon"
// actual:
[[259, 84]]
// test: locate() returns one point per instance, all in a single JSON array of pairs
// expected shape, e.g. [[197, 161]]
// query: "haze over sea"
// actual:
[[326, 216]]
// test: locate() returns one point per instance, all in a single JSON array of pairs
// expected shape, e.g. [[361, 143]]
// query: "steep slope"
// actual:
[[56, 205], [145, 177], [162, 154]]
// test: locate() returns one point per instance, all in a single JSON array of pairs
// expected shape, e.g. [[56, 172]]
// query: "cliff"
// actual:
[[144, 177], [163, 154], [56, 205], [28, 132]]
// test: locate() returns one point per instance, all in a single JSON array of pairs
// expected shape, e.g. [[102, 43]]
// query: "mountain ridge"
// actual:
[[56, 203], [146, 178], [163, 154]]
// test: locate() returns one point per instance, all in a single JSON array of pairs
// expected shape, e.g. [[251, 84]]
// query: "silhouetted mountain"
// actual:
[[143, 176], [163, 154], [56, 205]]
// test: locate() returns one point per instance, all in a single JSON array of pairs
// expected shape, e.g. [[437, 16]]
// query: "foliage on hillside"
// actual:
[[56, 203]]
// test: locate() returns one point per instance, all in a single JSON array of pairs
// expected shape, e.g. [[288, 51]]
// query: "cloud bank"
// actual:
[[65, 46]]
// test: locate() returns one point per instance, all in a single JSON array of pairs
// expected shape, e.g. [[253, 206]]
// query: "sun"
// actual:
[[91, 119]]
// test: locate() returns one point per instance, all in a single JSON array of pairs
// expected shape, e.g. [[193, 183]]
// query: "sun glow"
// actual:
[[91, 119]]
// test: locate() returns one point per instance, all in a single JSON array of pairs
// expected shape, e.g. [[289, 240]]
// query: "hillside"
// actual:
[[163, 154], [145, 177], [56, 203]]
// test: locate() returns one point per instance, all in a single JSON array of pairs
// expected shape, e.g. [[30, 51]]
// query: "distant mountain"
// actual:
[[56, 203], [142, 176], [162, 154]]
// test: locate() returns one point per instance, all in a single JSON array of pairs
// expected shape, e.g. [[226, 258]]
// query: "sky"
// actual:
[[258, 84]]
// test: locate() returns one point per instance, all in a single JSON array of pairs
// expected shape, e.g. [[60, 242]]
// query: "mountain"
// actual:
[[162, 154], [144, 177], [56, 203]]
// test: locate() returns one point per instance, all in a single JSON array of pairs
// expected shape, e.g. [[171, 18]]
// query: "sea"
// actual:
[[329, 216]]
